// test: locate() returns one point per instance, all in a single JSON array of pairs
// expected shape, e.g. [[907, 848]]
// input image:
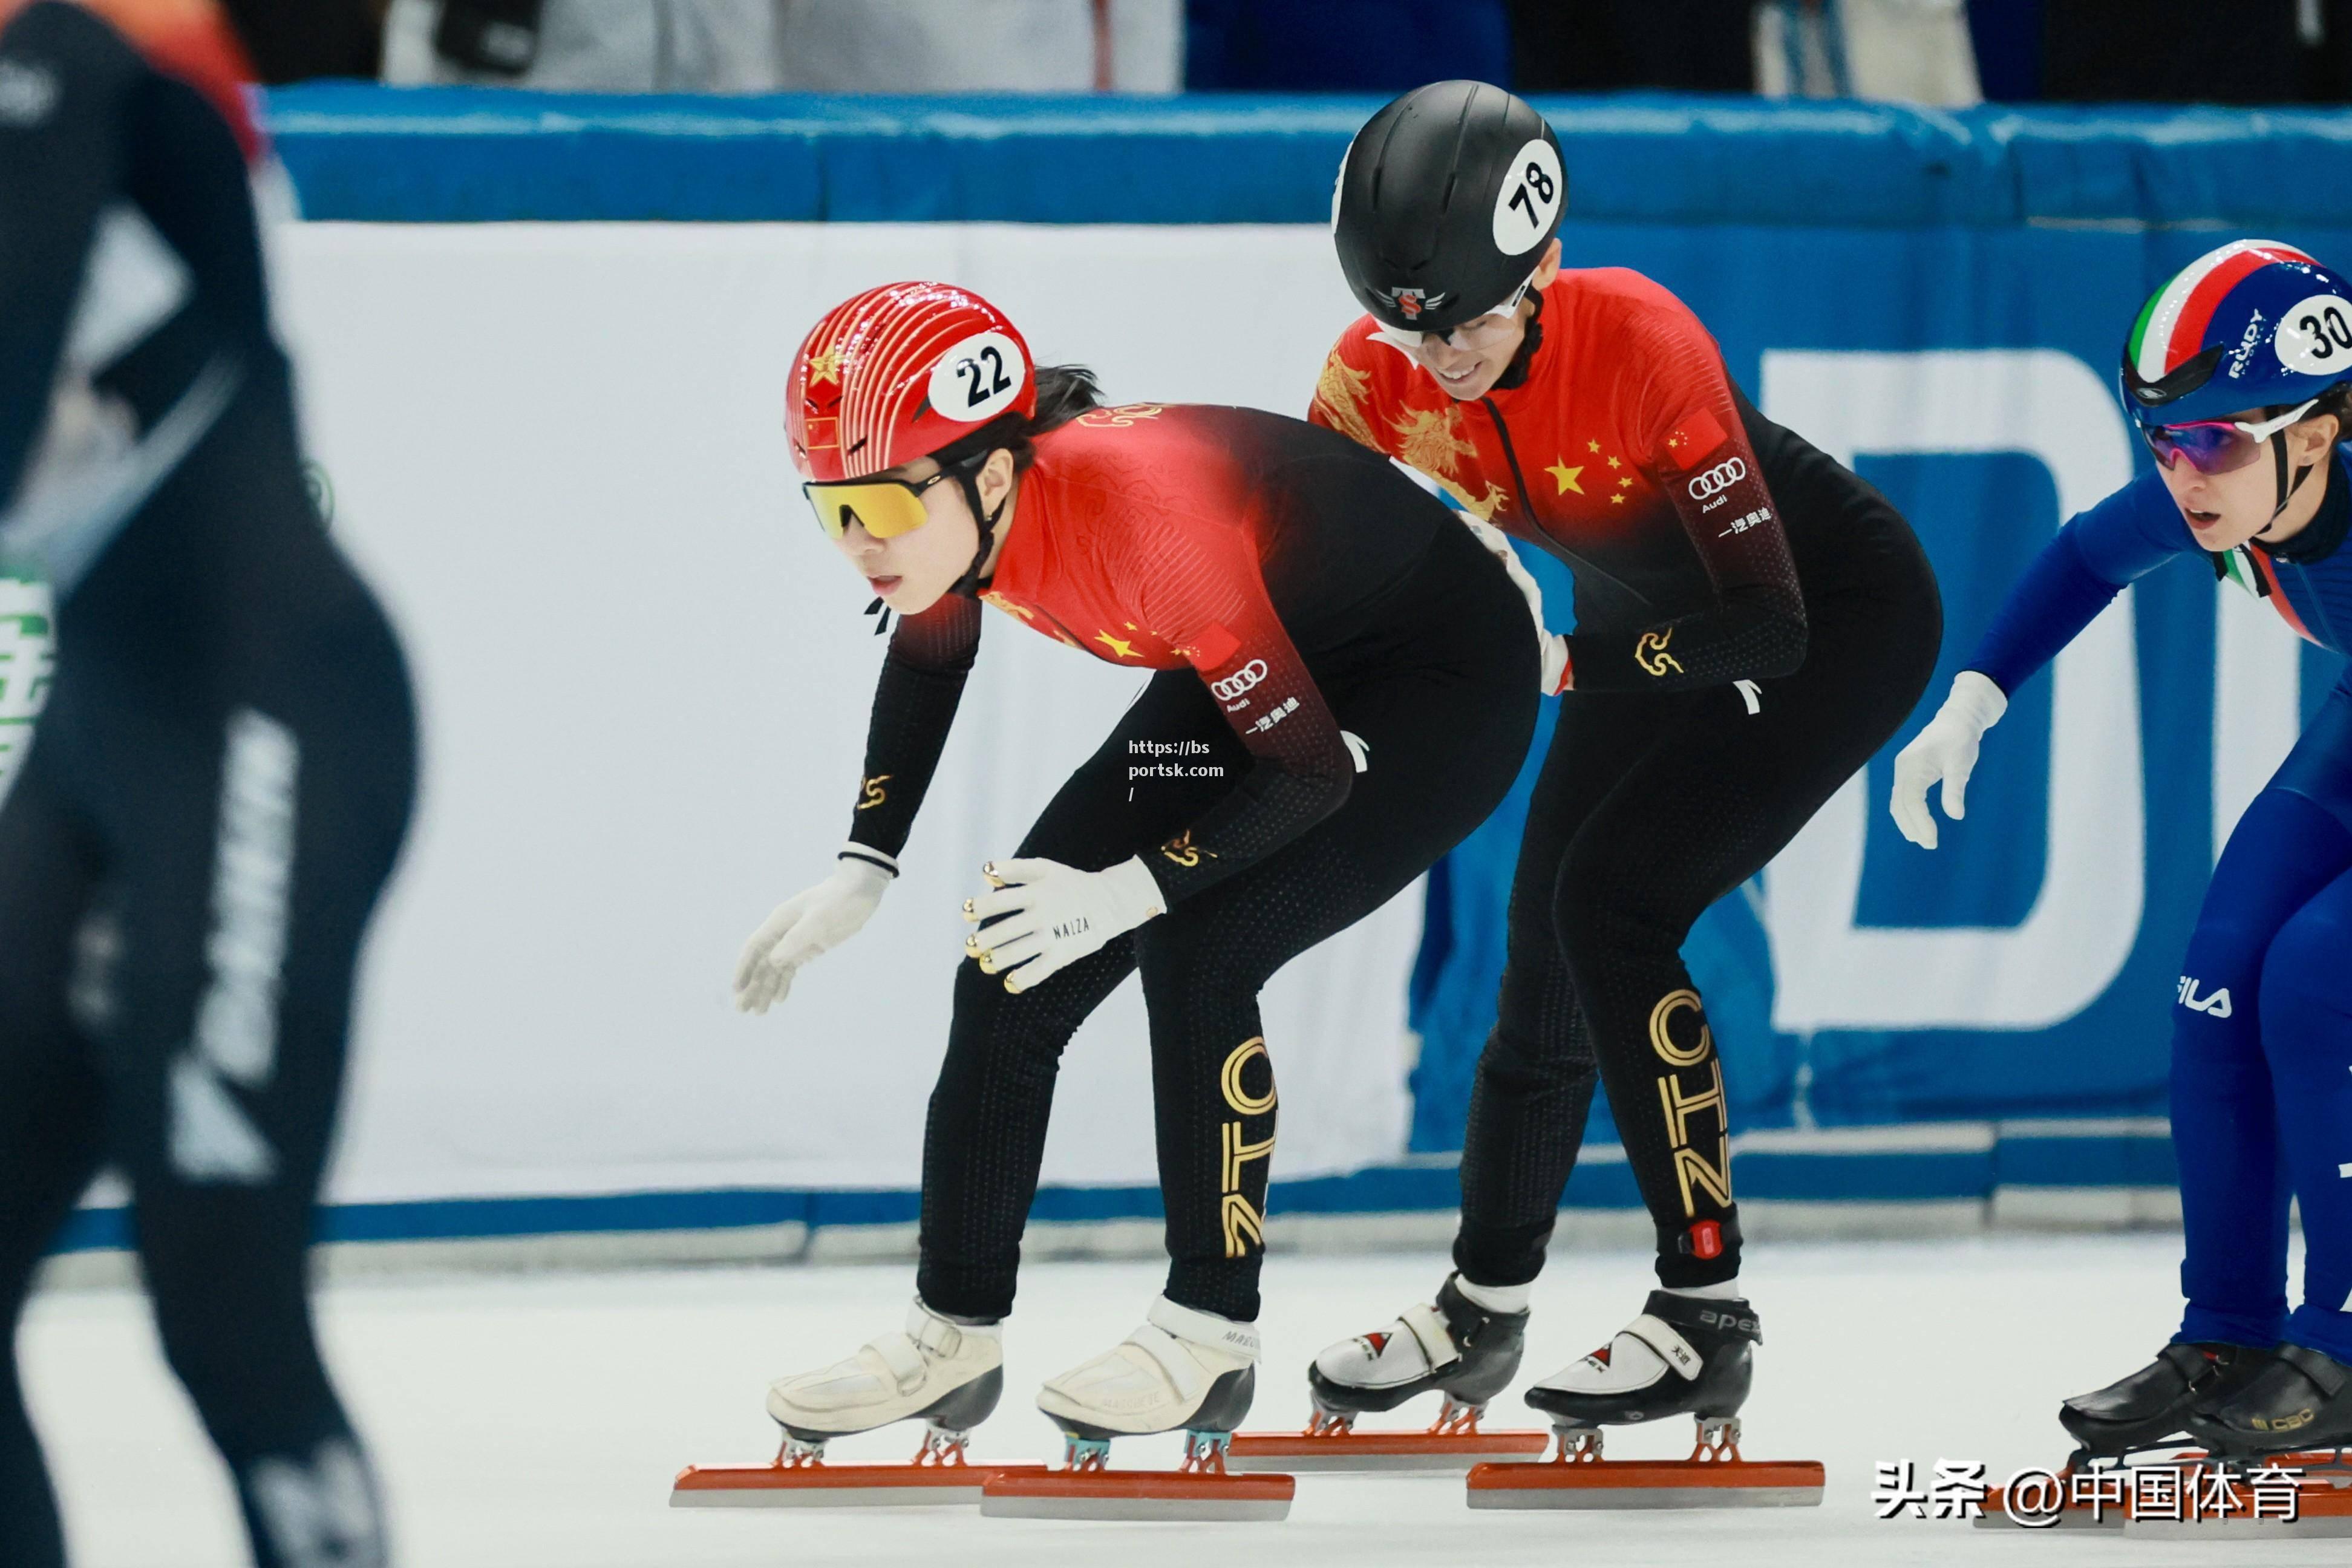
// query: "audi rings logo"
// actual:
[[1239, 682], [1718, 479]]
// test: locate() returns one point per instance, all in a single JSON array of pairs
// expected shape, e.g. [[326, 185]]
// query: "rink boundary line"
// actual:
[[1794, 1184]]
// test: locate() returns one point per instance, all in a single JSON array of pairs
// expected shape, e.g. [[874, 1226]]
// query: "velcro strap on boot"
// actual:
[[1182, 1368], [1675, 1350], [1203, 1328], [2326, 1373], [903, 1357], [1428, 1325]]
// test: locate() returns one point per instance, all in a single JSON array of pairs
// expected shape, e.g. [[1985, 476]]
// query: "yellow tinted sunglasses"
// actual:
[[886, 508]]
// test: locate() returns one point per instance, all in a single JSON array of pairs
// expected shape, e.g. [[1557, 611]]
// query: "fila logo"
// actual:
[[1240, 682], [1718, 479], [2213, 1005]]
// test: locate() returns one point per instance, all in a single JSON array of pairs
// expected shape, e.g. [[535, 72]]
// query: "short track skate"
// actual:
[[1183, 1371], [938, 1476], [1684, 1356], [944, 1374], [1470, 1355]]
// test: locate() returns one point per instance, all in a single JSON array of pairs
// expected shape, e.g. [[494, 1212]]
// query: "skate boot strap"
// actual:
[[942, 1336], [1712, 1318], [2325, 1372], [1427, 1325], [1672, 1348], [1203, 1328]]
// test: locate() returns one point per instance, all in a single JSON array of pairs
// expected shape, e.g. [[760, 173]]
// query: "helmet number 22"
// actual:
[[979, 378], [983, 380]]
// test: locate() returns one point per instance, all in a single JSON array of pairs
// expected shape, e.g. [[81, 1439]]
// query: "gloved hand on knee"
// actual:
[[1053, 915]]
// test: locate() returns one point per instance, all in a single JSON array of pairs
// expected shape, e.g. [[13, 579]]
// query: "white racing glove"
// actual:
[[1054, 915], [807, 924], [1555, 646], [1946, 750]]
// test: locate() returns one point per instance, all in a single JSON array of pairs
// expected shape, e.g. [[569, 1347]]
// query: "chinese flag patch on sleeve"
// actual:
[[1213, 648], [1694, 434]]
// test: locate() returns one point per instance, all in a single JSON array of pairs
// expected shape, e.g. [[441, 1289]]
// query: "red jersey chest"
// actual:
[[1534, 467]]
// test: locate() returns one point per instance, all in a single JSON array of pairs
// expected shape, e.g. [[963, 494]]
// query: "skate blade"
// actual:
[[1137, 1494], [835, 1486], [1383, 1453], [1649, 1484]]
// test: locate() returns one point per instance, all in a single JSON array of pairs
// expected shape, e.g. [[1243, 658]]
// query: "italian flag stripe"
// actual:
[[2278, 595], [2173, 324]]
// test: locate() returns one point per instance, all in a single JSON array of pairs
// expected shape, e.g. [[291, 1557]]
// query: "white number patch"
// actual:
[[1529, 199], [2315, 337], [979, 378]]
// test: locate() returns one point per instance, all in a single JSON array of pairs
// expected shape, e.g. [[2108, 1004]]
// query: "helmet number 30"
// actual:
[[1528, 203], [979, 378], [2315, 337]]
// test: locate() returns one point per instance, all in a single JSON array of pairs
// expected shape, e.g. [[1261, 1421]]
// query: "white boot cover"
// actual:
[[890, 1379], [1157, 1377]]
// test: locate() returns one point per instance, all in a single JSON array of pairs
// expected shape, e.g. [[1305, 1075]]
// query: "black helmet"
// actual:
[[1445, 204]]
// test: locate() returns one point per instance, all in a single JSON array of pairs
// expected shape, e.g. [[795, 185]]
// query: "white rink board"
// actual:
[[557, 451]]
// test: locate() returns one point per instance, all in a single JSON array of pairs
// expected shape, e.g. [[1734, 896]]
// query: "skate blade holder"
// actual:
[[1715, 1476], [1086, 1488], [798, 1476], [1331, 1444], [2323, 1503]]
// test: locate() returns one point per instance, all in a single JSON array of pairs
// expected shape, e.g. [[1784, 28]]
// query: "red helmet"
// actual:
[[897, 373]]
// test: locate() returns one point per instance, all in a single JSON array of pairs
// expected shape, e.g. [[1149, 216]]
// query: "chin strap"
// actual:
[[972, 582], [1515, 374], [2287, 487]]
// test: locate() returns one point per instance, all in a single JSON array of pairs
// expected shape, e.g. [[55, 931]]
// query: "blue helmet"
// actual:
[[2255, 324]]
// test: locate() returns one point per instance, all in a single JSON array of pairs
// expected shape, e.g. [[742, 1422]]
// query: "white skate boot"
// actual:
[[948, 1374], [1456, 1347], [1184, 1370]]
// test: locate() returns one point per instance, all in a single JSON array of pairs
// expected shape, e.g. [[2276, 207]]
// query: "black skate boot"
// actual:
[[2150, 1408], [1456, 1347], [1684, 1356], [2298, 1400]]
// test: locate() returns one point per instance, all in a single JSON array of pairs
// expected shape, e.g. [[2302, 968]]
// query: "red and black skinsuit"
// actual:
[[1292, 591], [189, 860], [1753, 623]]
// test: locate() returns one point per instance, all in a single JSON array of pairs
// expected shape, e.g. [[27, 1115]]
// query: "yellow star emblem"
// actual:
[[1117, 646], [1615, 464], [1567, 477], [1625, 483], [1593, 446], [1616, 500], [825, 365]]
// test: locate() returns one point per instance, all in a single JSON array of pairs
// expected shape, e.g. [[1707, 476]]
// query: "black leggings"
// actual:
[[1647, 811], [187, 864], [1447, 710]]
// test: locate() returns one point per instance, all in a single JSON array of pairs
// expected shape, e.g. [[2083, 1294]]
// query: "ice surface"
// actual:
[[524, 1422]]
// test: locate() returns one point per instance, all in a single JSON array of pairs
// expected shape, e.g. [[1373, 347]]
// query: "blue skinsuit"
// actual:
[[2262, 1041]]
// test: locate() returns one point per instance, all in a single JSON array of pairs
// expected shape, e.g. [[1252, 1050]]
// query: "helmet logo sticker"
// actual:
[[2315, 336], [1528, 204], [979, 378], [1411, 303]]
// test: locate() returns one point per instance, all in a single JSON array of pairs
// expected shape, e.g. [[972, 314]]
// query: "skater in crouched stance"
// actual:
[[1753, 623], [1351, 676], [222, 779], [2239, 376]]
